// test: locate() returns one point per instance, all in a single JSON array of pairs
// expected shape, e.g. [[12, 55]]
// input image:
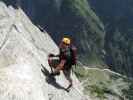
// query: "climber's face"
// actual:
[[63, 45]]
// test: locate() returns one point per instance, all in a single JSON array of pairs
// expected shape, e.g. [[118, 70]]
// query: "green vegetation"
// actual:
[[117, 17], [100, 83], [92, 59], [96, 91], [129, 92]]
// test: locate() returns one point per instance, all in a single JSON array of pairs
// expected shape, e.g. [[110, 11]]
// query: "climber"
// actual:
[[67, 58]]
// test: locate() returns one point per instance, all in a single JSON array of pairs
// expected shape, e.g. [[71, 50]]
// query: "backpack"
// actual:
[[73, 55], [70, 55]]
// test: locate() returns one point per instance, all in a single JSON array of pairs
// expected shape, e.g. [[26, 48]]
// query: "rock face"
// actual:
[[109, 34], [74, 18], [23, 48], [102, 29]]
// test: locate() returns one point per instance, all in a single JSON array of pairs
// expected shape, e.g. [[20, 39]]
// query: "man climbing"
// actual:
[[67, 58]]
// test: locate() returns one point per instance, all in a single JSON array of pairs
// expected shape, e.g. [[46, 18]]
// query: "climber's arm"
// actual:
[[61, 65]]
